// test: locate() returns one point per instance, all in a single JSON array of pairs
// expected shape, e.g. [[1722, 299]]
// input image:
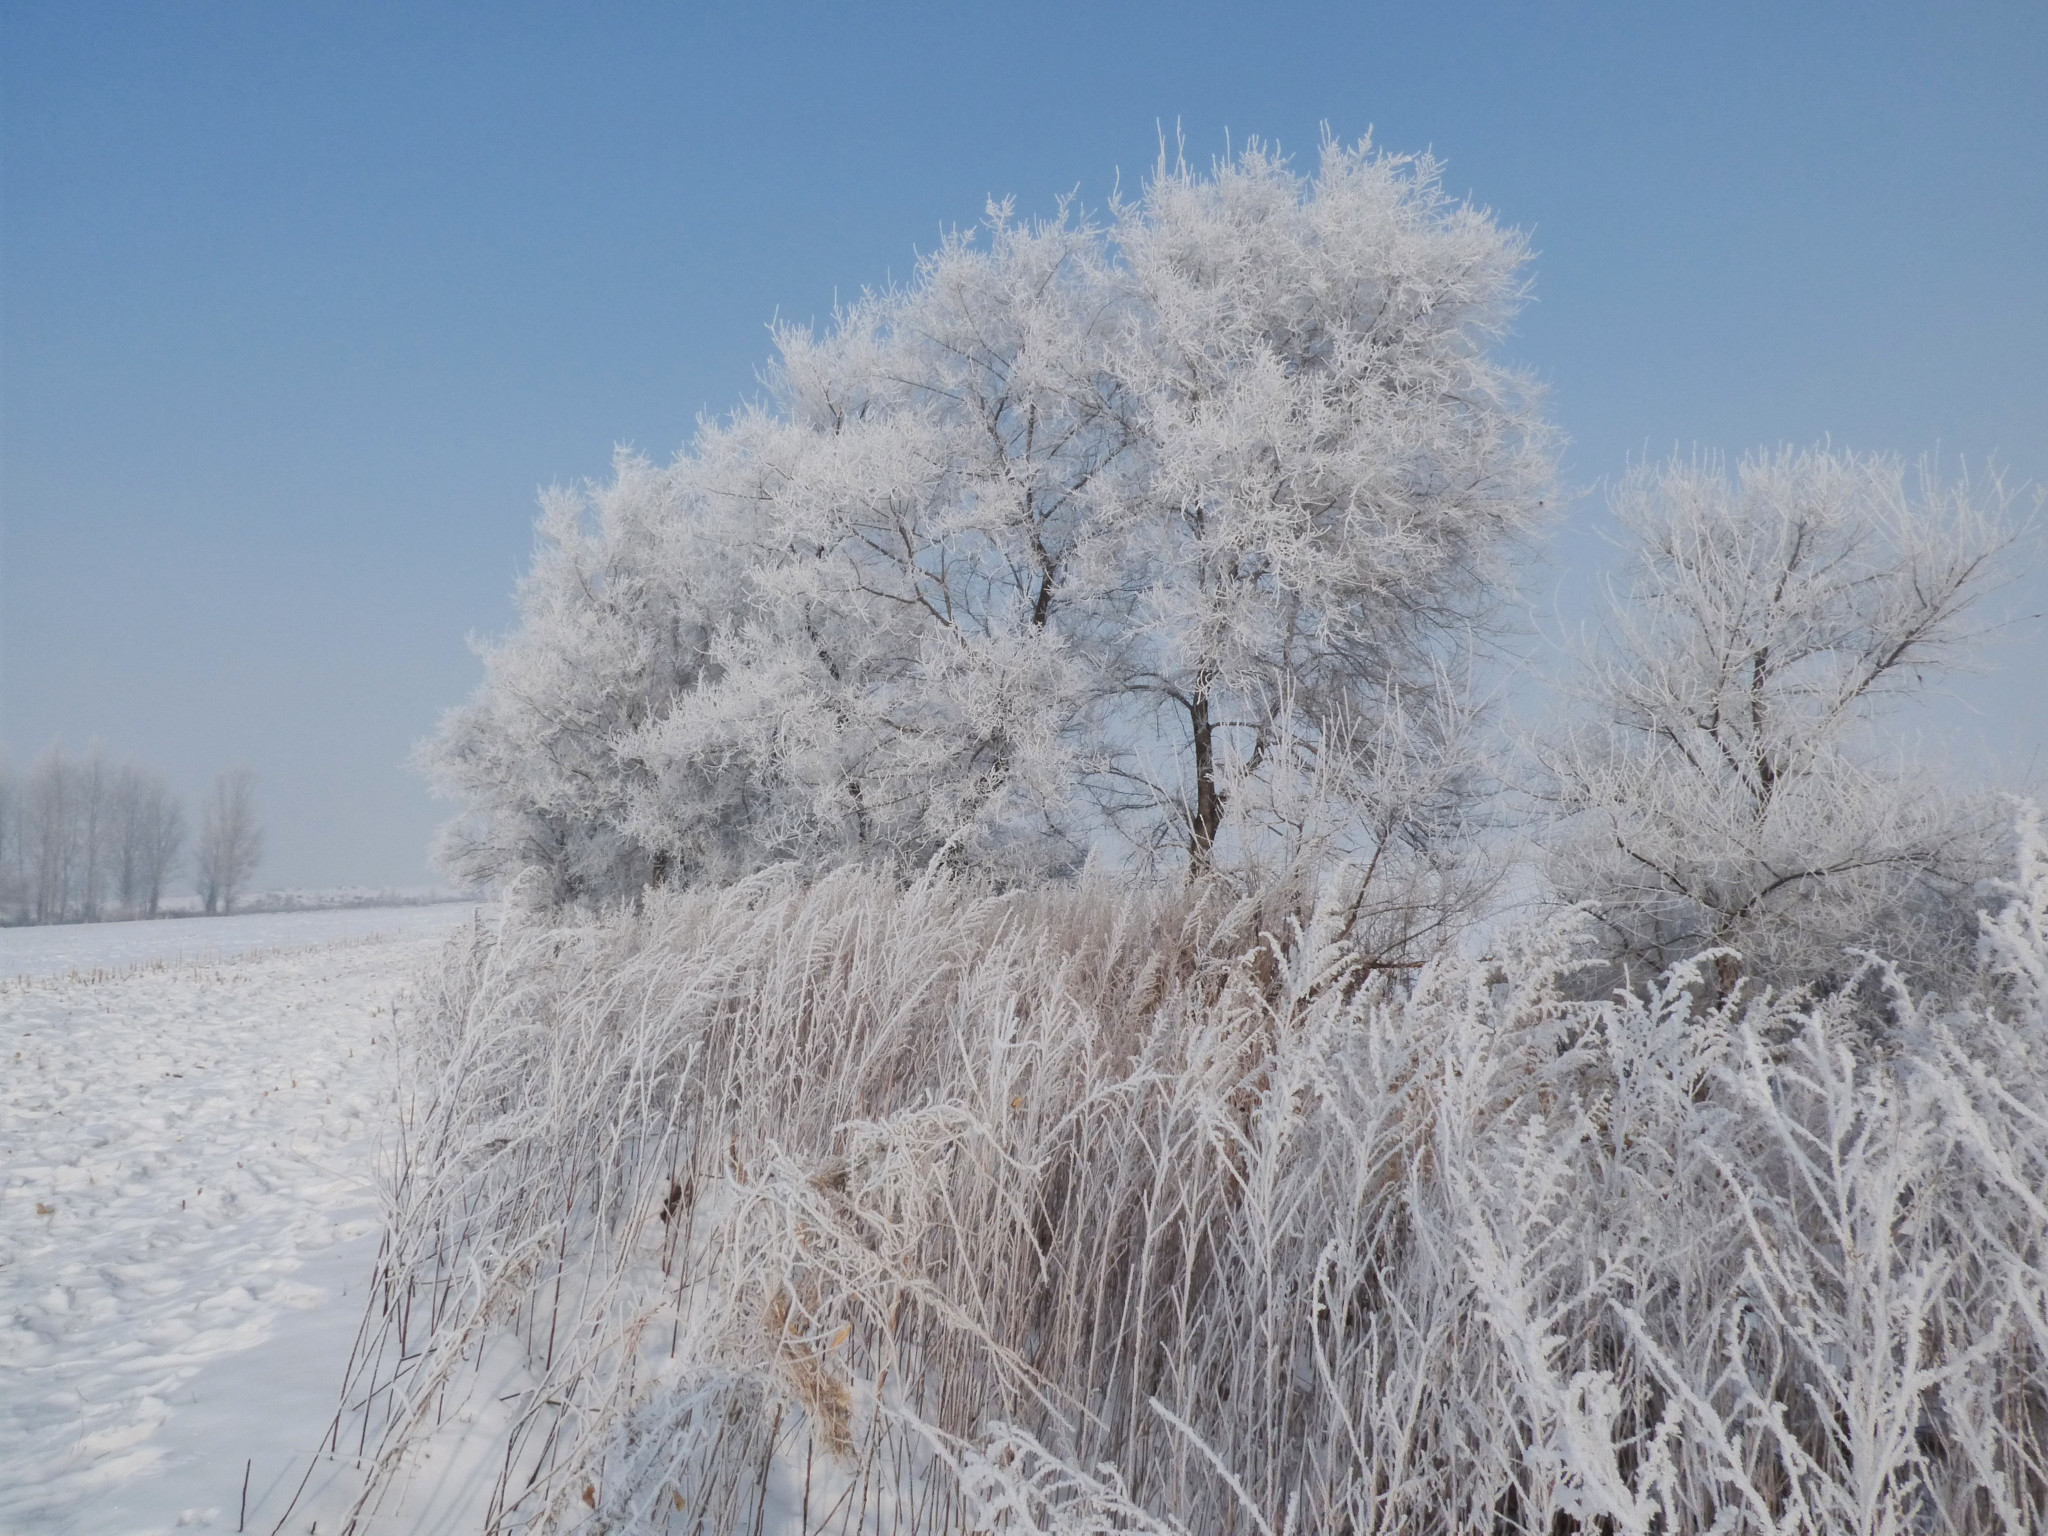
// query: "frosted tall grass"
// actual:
[[846, 1206]]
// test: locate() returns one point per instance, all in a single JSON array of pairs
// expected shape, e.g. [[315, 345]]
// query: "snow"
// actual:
[[187, 1207], [64, 947]]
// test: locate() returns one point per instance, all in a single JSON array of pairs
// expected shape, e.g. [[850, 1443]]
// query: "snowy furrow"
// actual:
[[187, 1213]]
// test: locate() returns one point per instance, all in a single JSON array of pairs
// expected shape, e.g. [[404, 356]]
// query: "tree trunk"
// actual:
[[1208, 802]]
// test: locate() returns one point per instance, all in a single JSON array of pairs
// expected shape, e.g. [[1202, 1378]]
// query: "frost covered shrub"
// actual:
[[1732, 777], [839, 1205]]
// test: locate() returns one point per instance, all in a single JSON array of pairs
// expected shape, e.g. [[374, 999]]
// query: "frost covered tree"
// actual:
[[908, 525], [159, 842], [79, 839], [129, 815], [1156, 539], [1728, 785], [10, 843], [49, 837], [618, 610], [151, 832], [94, 807], [230, 843], [1331, 465]]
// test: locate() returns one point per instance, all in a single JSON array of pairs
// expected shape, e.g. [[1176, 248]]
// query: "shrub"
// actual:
[[854, 1206]]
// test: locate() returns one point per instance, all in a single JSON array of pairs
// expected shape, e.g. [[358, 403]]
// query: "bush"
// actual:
[[869, 1207]]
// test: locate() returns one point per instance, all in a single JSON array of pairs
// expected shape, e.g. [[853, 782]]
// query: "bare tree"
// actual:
[[81, 839], [230, 843], [10, 843], [151, 832], [97, 813], [161, 846], [1727, 786], [49, 837], [127, 830]]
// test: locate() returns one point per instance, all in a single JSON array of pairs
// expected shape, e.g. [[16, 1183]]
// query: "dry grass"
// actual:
[[858, 1207]]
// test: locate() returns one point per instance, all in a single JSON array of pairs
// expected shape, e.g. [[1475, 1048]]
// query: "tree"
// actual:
[[128, 819], [230, 843], [1155, 541], [897, 679], [1332, 464], [151, 832], [618, 608], [49, 836], [77, 836], [10, 842], [95, 810], [1728, 785]]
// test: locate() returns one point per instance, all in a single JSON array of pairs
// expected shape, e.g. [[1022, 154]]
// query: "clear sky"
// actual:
[[299, 304]]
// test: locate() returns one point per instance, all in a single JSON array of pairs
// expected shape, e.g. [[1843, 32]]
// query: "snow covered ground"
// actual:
[[189, 1114], [65, 947]]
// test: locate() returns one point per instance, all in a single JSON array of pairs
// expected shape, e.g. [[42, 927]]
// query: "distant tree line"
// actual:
[[85, 840]]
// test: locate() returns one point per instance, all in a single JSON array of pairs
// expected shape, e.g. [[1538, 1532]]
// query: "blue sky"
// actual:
[[300, 304]]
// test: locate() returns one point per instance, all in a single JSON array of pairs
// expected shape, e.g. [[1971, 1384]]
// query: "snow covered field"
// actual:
[[64, 947], [189, 1114]]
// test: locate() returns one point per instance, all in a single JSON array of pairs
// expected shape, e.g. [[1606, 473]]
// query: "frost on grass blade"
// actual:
[[1080, 1209]]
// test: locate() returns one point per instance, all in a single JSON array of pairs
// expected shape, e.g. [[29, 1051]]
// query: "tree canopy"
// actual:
[[1151, 539]]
